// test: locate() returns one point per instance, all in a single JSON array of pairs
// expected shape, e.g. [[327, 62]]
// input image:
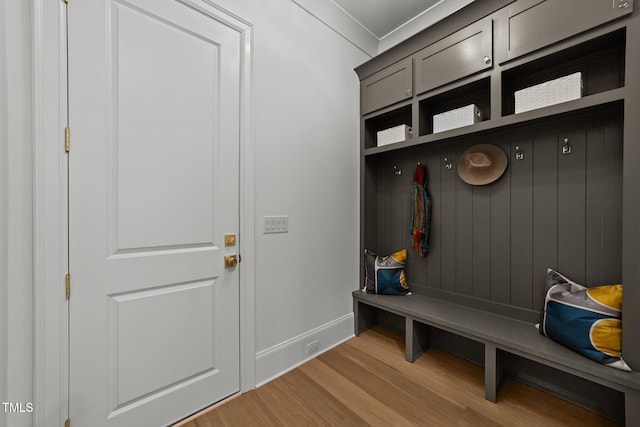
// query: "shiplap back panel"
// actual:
[[494, 243]]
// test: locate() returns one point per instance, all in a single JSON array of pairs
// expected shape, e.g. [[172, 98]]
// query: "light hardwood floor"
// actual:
[[366, 381]]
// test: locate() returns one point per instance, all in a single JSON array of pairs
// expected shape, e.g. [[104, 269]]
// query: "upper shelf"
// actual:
[[578, 106], [600, 62]]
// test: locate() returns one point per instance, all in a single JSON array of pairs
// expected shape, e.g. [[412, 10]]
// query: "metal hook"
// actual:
[[447, 163], [519, 154], [396, 171], [566, 148]]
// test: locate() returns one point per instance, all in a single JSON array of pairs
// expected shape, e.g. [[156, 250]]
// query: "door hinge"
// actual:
[[68, 285], [67, 139], [67, 422]]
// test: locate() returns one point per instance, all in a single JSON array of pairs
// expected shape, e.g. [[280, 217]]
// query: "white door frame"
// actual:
[[51, 313]]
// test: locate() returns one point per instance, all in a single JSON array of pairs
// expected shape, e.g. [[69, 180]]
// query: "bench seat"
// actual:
[[498, 334]]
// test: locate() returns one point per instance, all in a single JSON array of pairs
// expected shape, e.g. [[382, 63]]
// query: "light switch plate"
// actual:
[[275, 224]]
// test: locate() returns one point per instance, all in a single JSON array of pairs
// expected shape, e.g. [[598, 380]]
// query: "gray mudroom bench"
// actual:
[[569, 198], [499, 334]]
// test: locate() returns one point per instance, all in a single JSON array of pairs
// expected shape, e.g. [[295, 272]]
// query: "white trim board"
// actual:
[[342, 23], [288, 355], [50, 394], [336, 18]]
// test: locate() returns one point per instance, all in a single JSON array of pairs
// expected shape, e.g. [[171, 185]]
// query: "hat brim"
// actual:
[[483, 176]]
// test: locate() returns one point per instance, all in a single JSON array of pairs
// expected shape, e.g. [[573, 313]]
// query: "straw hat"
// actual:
[[482, 164]]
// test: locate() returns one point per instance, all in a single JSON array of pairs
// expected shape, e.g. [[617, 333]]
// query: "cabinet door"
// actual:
[[461, 54], [390, 85], [529, 25]]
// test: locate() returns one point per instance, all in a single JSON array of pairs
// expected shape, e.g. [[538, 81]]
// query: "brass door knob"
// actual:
[[230, 261]]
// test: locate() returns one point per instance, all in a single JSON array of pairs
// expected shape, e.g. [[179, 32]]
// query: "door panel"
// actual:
[[163, 154], [153, 187], [144, 348]]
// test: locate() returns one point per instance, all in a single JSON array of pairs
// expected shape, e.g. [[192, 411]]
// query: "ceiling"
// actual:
[[381, 17]]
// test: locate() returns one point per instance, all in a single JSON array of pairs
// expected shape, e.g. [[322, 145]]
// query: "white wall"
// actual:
[[306, 103], [16, 260]]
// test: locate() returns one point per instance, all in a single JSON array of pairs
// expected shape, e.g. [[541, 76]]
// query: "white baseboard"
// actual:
[[281, 358]]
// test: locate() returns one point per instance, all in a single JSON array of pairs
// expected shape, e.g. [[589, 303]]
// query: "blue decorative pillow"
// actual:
[[385, 275], [586, 320]]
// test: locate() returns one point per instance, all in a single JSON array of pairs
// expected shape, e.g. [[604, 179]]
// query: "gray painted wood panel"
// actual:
[[394, 190], [500, 246], [612, 218], [545, 213], [463, 53], [533, 24], [572, 207], [370, 206], [594, 205], [495, 242], [382, 207], [481, 241], [448, 179], [463, 233], [521, 224], [390, 85]]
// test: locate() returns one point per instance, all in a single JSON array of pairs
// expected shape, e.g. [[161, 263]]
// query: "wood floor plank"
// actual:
[[326, 406], [447, 374], [287, 406], [366, 381], [518, 404], [248, 411], [209, 419], [420, 405], [472, 418], [370, 409]]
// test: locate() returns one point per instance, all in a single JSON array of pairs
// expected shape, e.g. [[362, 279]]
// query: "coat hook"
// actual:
[[566, 148], [397, 171], [447, 163], [519, 154]]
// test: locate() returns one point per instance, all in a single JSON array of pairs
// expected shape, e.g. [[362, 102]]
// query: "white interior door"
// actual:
[[153, 188]]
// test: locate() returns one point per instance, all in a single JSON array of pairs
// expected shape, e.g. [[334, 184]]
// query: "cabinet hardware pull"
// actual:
[[408, 92], [486, 60]]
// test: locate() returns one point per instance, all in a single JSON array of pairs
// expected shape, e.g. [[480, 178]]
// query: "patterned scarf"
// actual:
[[421, 211]]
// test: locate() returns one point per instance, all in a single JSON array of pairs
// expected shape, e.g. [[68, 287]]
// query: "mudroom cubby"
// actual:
[[600, 61], [477, 92], [385, 119], [569, 198]]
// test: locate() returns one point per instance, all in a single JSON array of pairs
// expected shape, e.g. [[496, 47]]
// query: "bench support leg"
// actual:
[[364, 316], [632, 408], [492, 372], [417, 339]]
